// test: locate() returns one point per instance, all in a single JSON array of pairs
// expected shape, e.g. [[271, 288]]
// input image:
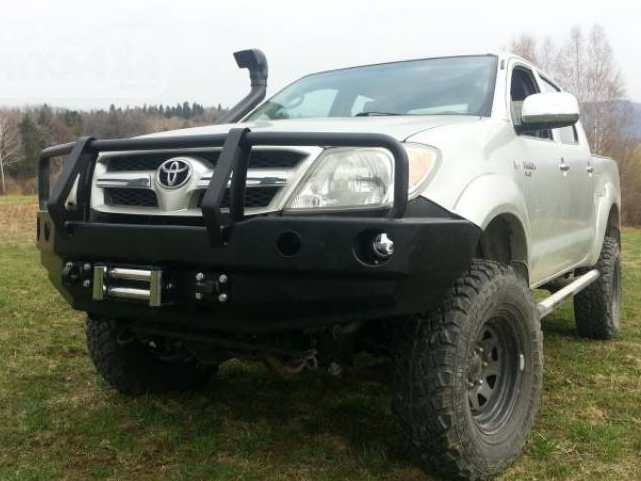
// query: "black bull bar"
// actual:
[[236, 148]]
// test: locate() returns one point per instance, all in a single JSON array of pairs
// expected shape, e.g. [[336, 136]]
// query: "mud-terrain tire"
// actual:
[[454, 424], [597, 309], [132, 368]]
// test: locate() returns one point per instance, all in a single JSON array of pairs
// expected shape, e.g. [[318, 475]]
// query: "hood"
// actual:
[[400, 127]]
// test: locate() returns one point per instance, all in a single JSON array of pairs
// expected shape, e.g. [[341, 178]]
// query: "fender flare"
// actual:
[[491, 195], [487, 196], [605, 202]]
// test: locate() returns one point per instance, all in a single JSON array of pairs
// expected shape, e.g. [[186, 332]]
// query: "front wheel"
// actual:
[[135, 367], [468, 376]]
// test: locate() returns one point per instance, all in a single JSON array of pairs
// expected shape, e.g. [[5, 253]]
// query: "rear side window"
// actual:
[[567, 135]]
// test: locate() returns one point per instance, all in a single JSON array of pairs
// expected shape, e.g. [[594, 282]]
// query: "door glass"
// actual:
[[569, 135], [522, 86]]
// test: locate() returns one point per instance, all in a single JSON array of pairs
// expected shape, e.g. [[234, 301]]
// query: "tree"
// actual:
[[10, 148], [585, 66], [32, 142]]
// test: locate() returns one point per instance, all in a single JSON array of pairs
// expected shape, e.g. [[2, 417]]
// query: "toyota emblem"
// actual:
[[174, 173]]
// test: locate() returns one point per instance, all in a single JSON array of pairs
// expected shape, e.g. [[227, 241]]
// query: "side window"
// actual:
[[568, 135], [522, 86]]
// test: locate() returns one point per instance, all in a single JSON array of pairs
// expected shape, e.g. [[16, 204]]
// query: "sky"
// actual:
[[90, 54]]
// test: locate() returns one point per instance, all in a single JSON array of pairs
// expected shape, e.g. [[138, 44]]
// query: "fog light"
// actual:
[[383, 246]]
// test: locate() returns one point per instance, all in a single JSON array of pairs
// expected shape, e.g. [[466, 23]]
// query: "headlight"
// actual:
[[345, 178]]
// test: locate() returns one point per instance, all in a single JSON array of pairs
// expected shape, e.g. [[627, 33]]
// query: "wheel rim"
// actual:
[[494, 371]]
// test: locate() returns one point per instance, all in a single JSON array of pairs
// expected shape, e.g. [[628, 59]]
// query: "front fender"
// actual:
[[487, 196]]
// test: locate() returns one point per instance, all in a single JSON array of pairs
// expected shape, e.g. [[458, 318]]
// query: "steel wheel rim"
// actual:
[[494, 372]]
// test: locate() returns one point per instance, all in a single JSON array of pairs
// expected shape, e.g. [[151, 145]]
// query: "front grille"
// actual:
[[254, 197], [151, 161], [131, 197]]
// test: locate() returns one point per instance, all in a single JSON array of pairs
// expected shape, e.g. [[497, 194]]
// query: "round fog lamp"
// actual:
[[383, 246]]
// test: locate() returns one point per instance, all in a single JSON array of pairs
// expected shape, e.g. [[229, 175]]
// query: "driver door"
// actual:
[[546, 189]]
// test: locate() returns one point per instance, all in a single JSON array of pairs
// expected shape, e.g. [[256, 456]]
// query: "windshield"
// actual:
[[438, 86]]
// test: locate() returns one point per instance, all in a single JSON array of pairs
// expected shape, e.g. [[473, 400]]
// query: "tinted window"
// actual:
[[440, 86], [522, 86]]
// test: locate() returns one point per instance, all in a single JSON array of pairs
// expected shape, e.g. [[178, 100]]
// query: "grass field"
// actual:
[[59, 421]]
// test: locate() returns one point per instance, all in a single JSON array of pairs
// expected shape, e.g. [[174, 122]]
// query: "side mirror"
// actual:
[[549, 111]]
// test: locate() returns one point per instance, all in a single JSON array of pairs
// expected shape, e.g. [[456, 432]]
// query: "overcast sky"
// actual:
[[88, 54]]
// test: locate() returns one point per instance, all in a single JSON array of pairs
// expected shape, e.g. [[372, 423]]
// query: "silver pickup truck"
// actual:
[[405, 209]]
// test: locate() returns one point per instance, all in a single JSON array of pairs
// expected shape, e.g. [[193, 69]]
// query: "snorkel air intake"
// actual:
[[255, 61]]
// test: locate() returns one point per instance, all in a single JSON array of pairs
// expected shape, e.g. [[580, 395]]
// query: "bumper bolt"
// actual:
[[383, 246], [222, 297], [87, 267], [86, 283], [200, 276], [223, 278], [198, 296]]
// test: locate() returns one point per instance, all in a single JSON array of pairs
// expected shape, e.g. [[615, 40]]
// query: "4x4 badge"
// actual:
[[174, 173]]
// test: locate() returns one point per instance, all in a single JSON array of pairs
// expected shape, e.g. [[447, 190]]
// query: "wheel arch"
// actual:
[[496, 204], [607, 222], [504, 240]]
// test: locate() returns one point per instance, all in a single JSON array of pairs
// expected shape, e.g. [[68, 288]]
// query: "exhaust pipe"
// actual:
[[255, 61]]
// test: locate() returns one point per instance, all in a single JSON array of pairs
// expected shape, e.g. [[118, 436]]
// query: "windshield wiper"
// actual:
[[374, 114]]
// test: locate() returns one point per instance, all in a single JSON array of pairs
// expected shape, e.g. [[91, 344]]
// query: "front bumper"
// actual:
[[326, 281], [284, 272]]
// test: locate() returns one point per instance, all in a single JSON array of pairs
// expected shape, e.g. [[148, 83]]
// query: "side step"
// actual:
[[547, 305]]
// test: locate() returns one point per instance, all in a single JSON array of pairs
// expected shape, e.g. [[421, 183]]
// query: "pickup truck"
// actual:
[[405, 209]]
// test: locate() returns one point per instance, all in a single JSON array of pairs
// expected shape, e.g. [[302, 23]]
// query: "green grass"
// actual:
[[17, 199], [59, 421]]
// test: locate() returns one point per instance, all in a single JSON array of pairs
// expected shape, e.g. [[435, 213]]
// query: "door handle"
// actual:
[[590, 169], [563, 166]]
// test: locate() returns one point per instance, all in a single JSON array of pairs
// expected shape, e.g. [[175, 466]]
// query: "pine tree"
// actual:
[[33, 143]]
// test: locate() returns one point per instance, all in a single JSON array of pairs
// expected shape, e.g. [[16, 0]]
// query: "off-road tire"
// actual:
[[433, 396], [131, 368], [597, 309]]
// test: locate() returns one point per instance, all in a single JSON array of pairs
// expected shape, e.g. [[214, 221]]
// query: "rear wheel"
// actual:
[[597, 309], [134, 367], [468, 376]]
